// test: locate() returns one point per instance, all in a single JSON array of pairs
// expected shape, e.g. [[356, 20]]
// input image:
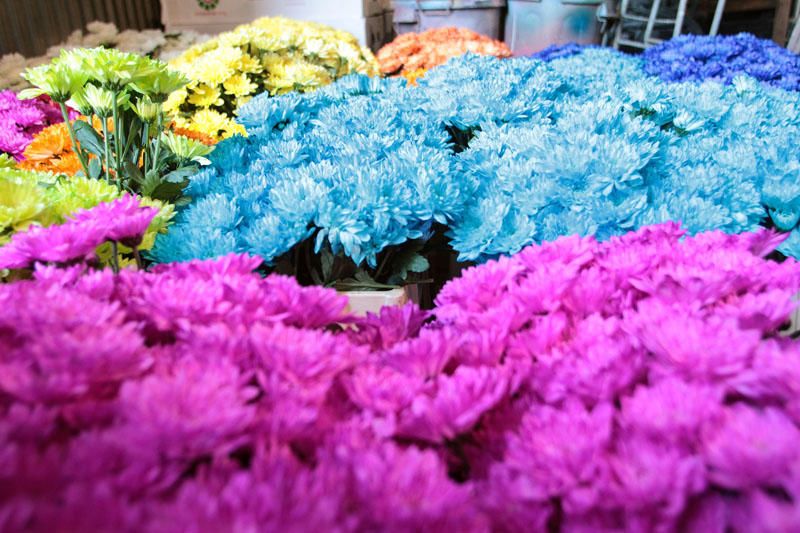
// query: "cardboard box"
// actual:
[[227, 14]]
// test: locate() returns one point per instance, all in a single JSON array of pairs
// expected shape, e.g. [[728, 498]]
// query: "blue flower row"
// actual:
[[501, 152]]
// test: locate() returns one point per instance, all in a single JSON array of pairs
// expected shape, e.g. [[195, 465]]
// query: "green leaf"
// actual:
[[180, 175], [167, 192], [95, 168], [134, 134], [151, 182], [326, 258], [363, 276], [182, 201], [89, 139], [134, 172]]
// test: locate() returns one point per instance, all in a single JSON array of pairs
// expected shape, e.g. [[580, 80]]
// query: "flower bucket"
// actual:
[[363, 302]]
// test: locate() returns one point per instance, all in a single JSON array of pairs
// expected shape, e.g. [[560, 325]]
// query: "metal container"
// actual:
[[30, 27], [482, 16], [533, 25]]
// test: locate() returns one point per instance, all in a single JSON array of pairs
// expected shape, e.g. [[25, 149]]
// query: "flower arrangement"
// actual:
[[21, 119], [341, 187], [151, 42], [33, 201], [723, 58], [636, 384], [273, 55], [524, 151], [120, 94], [577, 158], [412, 54]]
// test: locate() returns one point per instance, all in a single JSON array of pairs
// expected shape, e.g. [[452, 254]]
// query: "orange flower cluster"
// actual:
[[51, 149], [411, 54]]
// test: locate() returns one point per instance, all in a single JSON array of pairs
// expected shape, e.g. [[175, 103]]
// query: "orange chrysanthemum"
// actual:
[[196, 135], [412, 53], [51, 151]]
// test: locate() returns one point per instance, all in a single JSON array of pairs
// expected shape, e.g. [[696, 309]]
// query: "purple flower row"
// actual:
[[722, 58], [638, 384]]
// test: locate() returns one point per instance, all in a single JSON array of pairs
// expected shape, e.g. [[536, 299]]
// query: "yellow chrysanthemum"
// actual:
[[278, 54], [214, 124], [205, 96], [239, 85]]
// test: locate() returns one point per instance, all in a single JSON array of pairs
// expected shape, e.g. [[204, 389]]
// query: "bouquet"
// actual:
[[632, 385], [342, 187], [32, 201], [723, 58], [273, 55], [496, 154], [411, 54], [121, 95]]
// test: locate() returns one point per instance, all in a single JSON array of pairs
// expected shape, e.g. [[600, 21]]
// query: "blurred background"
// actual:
[[30, 27]]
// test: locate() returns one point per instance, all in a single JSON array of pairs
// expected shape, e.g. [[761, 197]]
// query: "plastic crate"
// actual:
[[482, 16], [533, 25]]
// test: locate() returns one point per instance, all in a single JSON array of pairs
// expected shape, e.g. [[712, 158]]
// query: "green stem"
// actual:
[[159, 127], [117, 145], [145, 144], [105, 142], [71, 132], [114, 257], [138, 257]]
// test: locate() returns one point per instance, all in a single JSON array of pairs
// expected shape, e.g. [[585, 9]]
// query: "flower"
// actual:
[[20, 120], [122, 220], [205, 396], [411, 54], [275, 55], [723, 58], [125, 220]]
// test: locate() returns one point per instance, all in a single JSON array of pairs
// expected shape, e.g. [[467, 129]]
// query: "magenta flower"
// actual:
[[124, 219], [639, 384], [20, 120], [65, 243], [76, 240]]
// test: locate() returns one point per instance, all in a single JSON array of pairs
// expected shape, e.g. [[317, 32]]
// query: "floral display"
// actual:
[[411, 54], [122, 221], [36, 200], [555, 51], [151, 42], [723, 58], [634, 385], [352, 173], [126, 141], [273, 55], [21, 119], [586, 144]]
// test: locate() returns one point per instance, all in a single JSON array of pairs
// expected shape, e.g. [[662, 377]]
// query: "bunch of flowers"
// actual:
[[345, 184], [152, 42], [37, 200], [122, 136], [21, 119], [412, 54], [723, 58], [638, 384], [503, 153], [589, 145], [273, 55]]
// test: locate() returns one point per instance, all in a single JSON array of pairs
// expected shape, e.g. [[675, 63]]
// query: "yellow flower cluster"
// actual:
[[40, 198], [271, 54]]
